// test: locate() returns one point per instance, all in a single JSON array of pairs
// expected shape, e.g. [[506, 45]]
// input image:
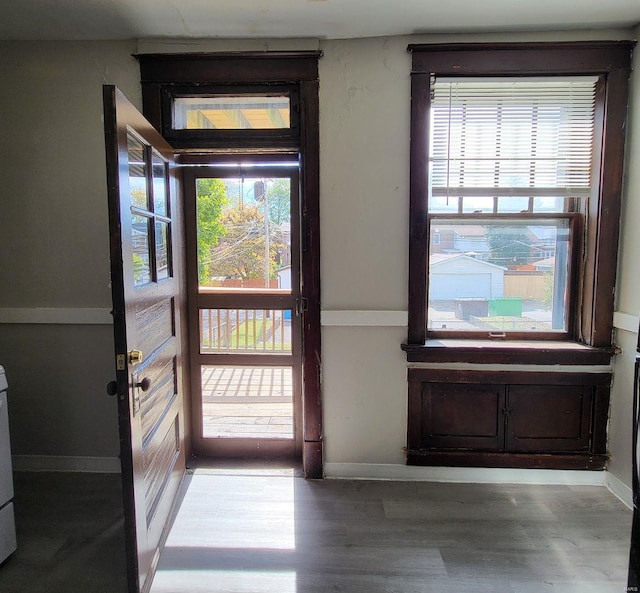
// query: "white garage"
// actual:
[[456, 276]]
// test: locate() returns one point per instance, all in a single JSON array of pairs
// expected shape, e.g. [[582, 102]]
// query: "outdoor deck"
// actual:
[[247, 402]]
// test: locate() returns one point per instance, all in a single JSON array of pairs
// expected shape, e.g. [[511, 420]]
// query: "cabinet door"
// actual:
[[549, 418], [462, 416]]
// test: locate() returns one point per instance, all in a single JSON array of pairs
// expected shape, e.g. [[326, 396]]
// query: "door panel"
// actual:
[[549, 417], [148, 306]]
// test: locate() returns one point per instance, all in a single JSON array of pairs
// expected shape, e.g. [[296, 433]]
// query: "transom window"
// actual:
[[231, 112]]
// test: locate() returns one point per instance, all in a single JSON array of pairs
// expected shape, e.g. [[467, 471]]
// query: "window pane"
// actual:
[[245, 330], [140, 235], [137, 172], [240, 112], [441, 204], [477, 205], [160, 193], [515, 205], [244, 234], [499, 275], [162, 250]]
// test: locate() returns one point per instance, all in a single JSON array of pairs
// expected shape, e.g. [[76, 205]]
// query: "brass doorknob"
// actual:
[[135, 357]]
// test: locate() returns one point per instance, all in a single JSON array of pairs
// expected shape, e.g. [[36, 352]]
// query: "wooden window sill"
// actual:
[[508, 352]]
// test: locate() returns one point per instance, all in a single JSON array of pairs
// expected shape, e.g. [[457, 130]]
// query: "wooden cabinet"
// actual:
[[507, 419]]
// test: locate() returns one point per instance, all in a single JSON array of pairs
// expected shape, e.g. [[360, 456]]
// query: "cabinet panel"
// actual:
[[462, 416], [548, 417], [514, 418]]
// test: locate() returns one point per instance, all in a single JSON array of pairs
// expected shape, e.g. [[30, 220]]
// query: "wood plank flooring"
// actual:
[[70, 533], [269, 531], [282, 534]]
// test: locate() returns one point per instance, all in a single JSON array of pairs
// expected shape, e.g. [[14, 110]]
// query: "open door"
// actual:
[[147, 291]]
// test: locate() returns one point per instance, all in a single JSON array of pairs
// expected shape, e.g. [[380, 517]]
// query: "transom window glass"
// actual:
[[240, 112]]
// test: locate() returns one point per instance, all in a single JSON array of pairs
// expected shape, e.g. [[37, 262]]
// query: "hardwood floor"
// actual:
[[270, 531], [70, 533], [281, 534]]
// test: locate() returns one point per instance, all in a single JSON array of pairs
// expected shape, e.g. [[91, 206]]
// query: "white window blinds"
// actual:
[[512, 137]]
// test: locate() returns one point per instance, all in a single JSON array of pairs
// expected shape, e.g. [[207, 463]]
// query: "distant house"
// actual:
[[539, 242], [448, 238], [284, 277], [545, 265], [453, 276]]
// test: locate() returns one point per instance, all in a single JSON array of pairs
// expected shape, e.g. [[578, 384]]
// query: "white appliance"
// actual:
[[7, 521]]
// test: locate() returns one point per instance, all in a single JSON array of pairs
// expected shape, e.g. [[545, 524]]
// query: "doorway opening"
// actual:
[[244, 287], [246, 124]]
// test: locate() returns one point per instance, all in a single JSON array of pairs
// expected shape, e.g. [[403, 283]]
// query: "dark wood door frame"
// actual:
[[162, 71]]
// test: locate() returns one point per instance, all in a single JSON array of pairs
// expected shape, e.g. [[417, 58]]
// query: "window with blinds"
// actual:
[[508, 159], [510, 145]]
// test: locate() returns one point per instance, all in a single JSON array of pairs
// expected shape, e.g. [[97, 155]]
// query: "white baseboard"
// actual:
[[373, 471], [59, 463], [619, 489], [480, 475]]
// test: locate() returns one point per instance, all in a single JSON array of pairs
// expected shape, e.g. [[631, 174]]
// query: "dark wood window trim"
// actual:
[[166, 75], [593, 320], [299, 71]]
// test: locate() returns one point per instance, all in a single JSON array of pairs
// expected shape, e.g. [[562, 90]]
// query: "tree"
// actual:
[[211, 198], [241, 254], [279, 198], [509, 245]]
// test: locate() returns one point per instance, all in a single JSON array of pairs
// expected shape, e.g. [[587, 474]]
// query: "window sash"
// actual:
[[453, 322]]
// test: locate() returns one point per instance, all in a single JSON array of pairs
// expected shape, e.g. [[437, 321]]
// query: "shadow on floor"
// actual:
[[70, 533]]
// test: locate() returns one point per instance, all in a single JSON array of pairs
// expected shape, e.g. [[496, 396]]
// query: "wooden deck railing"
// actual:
[[245, 330]]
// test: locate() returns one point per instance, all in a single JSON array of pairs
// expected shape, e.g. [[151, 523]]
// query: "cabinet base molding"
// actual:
[[507, 460]]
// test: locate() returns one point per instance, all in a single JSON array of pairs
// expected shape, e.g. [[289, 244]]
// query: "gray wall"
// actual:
[[627, 293], [53, 226], [54, 244]]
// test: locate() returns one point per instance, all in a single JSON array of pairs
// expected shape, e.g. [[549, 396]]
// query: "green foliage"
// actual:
[[547, 301], [242, 252], [211, 196], [139, 268], [509, 245], [279, 198]]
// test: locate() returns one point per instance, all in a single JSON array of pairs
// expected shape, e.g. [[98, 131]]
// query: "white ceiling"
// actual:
[[332, 19]]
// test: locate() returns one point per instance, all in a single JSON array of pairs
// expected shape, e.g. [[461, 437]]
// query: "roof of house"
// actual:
[[439, 259]]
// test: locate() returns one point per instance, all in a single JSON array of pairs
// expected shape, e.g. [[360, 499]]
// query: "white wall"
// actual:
[[54, 243], [364, 152], [627, 293], [53, 225]]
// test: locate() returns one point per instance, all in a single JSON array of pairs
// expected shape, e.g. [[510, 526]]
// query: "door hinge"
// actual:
[[305, 231], [302, 305]]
